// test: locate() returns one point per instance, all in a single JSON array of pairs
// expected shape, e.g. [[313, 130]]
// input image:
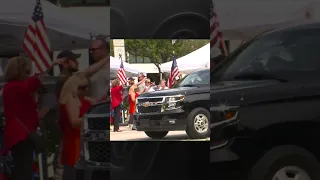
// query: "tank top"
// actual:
[[71, 147], [132, 104]]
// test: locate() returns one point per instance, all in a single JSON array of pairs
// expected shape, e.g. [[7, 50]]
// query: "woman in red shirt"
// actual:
[[116, 100], [19, 104], [73, 106], [133, 94]]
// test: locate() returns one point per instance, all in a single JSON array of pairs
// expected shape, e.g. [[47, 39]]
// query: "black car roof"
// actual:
[[295, 27]]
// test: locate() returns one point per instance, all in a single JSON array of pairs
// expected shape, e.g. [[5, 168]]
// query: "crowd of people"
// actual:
[[144, 85], [25, 109]]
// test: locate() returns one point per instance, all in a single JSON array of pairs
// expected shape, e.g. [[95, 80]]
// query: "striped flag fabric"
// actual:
[[36, 43], [121, 73], [216, 40], [173, 73]]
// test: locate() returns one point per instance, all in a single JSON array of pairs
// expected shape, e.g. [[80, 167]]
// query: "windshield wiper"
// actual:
[[258, 76]]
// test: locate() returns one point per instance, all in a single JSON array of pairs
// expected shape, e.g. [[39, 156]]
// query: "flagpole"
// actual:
[[121, 110]]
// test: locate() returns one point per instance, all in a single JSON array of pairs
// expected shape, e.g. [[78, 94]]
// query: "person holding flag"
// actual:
[[21, 114], [19, 102], [116, 95]]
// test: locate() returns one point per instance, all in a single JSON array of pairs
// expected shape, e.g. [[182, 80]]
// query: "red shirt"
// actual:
[[19, 102], [132, 104], [116, 96], [71, 148]]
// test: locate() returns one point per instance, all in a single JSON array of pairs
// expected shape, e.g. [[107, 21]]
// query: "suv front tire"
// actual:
[[198, 119], [286, 161], [156, 134]]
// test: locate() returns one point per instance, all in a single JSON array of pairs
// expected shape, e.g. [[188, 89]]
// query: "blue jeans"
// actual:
[[132, 121]]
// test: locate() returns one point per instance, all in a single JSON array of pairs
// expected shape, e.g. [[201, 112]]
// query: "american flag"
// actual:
[[174, 73], [216, 40], [36, 42], [121, 73]]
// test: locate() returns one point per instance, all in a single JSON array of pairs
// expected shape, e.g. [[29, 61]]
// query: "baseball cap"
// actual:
[[68, 55]]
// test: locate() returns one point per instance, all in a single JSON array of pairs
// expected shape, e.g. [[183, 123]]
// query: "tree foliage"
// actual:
[[162, 51], [111, 48]]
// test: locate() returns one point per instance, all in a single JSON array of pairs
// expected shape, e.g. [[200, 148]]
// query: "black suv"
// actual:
[[183, 107], [265, 107]]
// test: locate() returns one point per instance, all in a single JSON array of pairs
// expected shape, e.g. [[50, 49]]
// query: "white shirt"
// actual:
[[141, 87], [150, 89], [163, 88]]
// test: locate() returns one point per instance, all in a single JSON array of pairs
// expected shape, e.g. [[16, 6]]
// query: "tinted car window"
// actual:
[[196, 78], [286, 53]]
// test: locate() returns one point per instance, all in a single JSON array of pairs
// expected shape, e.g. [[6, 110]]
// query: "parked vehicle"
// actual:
[[96, 140], [265, 118], [183, 107]]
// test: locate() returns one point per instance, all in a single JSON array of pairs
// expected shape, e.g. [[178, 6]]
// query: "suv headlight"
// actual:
[[174, 102]]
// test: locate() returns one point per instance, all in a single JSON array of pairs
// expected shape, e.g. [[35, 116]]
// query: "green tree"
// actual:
[[136, 47], [111, 48], [161, 51], [189, 46], [158, 51]]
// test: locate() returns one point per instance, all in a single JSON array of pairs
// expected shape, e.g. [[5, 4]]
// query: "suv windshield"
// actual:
[[291, 54], [197, 78]]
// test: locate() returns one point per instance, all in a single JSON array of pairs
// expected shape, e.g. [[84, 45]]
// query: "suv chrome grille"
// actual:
[[150, 105], [150, 109], [96, 138], [150, 100]]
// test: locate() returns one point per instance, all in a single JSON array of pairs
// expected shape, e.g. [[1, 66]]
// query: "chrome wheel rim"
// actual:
[[291, 173], [201, 123]]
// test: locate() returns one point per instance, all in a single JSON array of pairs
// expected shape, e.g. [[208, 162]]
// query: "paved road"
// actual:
[[130, 135]]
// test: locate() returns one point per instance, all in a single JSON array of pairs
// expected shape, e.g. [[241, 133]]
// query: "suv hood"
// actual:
[[226, 86], [249, 93], [177, 91]]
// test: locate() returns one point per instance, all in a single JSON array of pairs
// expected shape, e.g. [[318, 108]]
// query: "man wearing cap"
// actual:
[[68, 65], [131, 81]]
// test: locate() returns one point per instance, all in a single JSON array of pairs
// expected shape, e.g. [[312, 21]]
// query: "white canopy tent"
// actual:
[[67, 29], [242, 20], [198, 59], [115, 65]]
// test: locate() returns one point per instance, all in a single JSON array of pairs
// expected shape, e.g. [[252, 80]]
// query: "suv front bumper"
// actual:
[[173, 120]]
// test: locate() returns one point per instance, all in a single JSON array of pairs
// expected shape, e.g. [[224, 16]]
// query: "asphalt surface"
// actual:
[[127, 134]]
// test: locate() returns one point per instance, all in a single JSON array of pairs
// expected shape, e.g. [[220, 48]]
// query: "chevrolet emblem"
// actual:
[[146, 104]]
